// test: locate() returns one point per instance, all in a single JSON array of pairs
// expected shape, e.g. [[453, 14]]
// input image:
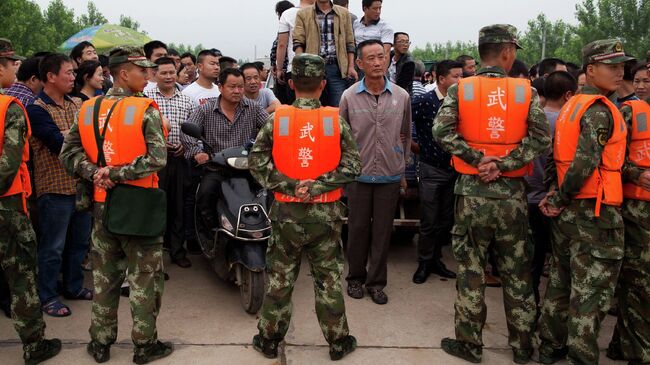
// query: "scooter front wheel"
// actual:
[[251, 288]]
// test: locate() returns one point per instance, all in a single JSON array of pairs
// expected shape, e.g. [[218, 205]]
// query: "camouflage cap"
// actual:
[[308, 65], [134, 55], [7, 50], [609, 51], [498, 33]]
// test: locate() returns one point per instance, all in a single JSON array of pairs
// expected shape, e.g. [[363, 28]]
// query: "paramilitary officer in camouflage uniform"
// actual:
[[494, 127], [631, 338], [17, 237], [113, 254], [586, 193], [305, 154]]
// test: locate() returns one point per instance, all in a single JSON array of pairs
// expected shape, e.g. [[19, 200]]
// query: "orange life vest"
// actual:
[[124, 140], [639, 148], [21, 184], [493, 118], [306, 145], [605, 183]]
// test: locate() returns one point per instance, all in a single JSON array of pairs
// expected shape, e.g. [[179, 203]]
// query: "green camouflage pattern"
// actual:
[[321, 242], [7, 50], [12, 152], [608, 51], [498, 33], [537, 142], [260, 162], [122, 55], [480, 222], [308, 65], [112, 255]]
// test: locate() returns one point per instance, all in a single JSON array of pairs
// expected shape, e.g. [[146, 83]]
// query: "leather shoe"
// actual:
[[183, 262], [355, 290], [422, 273], [378, 296], [438, 267]]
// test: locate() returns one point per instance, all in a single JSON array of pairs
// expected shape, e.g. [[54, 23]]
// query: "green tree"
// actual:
[[544, 39], [183, 48], [61, 23], [93, 17], [19, 18], [442, 51], [128, 22]]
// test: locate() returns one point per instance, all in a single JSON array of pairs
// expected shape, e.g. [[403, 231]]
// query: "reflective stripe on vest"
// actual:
[[639, 147], [306, 145], [124, 140], [21, 183], [493, 118], [605, 183]]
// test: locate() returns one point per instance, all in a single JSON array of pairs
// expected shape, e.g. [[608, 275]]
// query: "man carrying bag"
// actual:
[[118, 143]]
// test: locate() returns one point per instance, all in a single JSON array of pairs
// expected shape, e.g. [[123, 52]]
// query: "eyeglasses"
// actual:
[[404, 42]]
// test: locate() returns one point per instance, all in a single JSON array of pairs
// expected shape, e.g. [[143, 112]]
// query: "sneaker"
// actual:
[[463, 350], [378, 296], [101, 353], [355, 290], [44, 350], [548, 355], [342, 347], [268, 348], [522, 356], [155, 351]]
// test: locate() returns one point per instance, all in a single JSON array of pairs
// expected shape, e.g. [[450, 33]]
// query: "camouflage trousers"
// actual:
[[19, 261], [322, 244], [111, 256], [633, 327], [587, 256], [478, 222]]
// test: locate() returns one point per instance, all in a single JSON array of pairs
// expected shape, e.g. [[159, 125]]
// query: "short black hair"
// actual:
[[491, 50], [368, 3], [190, 55], [282, 6], [641, 66], [150, 46], [400, 33], [227, 62], [173, 52], [247, 66], [367, 43], [203, 54], [223, 75], [464, 57], [343, 3], [533, 70], [260, 65], [573, 69], [165, 61], [548, 65], [28, 68], [444, 67], [42, 54], [78, 50], [539, 85], [85, 71], [103, 59], [51, 63], [518, 68], [558, 83], [630, 65]]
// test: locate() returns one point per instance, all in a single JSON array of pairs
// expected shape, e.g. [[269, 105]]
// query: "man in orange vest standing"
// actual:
[[494, 127], [133, 150], [17, 237], [585, 197], [305, 154]]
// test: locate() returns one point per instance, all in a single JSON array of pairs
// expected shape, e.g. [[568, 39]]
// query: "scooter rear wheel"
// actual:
[[251, 288]]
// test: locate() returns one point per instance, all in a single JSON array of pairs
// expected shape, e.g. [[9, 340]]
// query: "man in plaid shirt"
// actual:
[[176, 107]]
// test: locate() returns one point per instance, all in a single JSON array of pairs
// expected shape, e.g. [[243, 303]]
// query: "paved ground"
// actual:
[[204, 319]]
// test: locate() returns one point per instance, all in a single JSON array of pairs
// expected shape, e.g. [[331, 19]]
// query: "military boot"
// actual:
[[466, 351], [522, 356], [549, 355], [46, 349], [155, 351], [342, 347], [614, 351], [268, 348], [101, 353]]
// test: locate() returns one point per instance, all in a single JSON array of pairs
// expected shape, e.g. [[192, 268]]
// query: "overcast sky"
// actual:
[[237, 26]]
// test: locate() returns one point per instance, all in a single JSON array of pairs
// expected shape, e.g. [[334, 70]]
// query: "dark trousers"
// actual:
[[540, 227], [370, 224], [284, 92], [436, 210], [193, 177], [335, 87], [207, 197], [174, 181]]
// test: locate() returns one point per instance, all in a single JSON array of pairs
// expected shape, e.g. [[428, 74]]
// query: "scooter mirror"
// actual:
[[192, 130]]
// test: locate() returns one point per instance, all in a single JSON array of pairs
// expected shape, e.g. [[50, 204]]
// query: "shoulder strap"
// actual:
[[99, 136]]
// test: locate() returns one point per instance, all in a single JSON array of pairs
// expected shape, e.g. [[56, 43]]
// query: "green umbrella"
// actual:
[[105, 37]]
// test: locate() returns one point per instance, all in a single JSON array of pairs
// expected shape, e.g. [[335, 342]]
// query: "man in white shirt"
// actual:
[[204, 88], [253, 90], [153, 51], [371, 26]]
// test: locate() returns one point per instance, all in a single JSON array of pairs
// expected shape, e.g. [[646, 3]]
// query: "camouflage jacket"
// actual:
[[631, 172], [76, 162], [11, 157], [537, 142], [596, 122], [261, 166]]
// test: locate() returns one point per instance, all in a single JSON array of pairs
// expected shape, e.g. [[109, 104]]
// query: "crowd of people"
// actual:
[[524, 171]]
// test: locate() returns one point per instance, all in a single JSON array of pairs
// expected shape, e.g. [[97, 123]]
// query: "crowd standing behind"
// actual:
[[523, 171]]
